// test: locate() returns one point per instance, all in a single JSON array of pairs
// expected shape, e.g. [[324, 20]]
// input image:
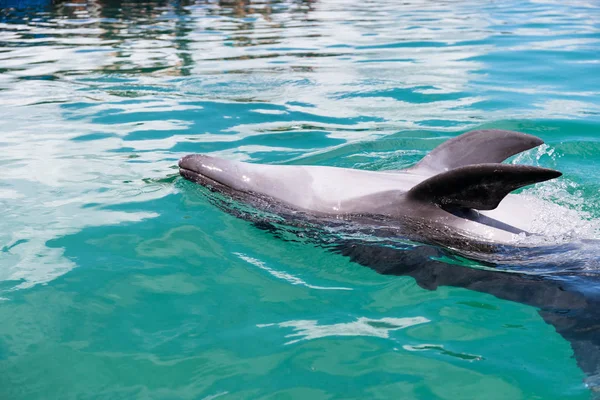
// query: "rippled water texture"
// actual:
[[119, 280]]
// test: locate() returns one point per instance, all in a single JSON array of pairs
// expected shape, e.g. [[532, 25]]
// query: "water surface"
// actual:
[[120, 280]]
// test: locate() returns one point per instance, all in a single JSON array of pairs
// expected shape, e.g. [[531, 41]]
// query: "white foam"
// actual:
[[557, 207]]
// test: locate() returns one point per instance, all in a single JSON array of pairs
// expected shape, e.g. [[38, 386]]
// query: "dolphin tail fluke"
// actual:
[[481, 186], [476, 147]]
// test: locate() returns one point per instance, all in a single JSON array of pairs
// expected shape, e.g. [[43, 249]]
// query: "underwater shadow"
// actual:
[[569, 302]]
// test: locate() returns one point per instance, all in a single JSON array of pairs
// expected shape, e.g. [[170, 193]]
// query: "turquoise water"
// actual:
[[119, 280]]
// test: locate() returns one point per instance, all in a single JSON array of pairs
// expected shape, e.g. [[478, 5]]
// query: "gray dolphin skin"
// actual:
[[459, 190], [456, 200]]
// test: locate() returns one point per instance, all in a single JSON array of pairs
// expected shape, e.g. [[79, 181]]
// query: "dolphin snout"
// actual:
[[192, 162], [198, 167], [204, 165]]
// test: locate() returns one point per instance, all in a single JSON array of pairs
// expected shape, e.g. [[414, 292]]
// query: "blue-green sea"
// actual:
[[121, 280]]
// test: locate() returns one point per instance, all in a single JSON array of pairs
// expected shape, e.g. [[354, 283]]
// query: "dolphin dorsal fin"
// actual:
[[476, 147], [481, 186]]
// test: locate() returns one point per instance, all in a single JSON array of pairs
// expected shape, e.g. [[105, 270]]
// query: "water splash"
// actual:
[[559, 208]]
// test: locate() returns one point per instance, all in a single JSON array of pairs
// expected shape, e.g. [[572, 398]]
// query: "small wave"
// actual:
[[440, 349], [284, 275]]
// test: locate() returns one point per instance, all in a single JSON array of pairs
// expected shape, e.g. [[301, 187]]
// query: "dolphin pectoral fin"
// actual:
[[481, 186], [476, 147]]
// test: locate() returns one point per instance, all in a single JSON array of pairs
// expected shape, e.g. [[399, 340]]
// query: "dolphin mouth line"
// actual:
[[192, 174], [185, 172], [198, 177], [190, 170]]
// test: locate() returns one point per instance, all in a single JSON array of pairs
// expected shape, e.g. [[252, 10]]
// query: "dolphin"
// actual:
[[457, 195], [456, 201]]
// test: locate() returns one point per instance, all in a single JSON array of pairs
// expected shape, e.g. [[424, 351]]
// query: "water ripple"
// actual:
[[99, 99], [309, 329], [284, 275]]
